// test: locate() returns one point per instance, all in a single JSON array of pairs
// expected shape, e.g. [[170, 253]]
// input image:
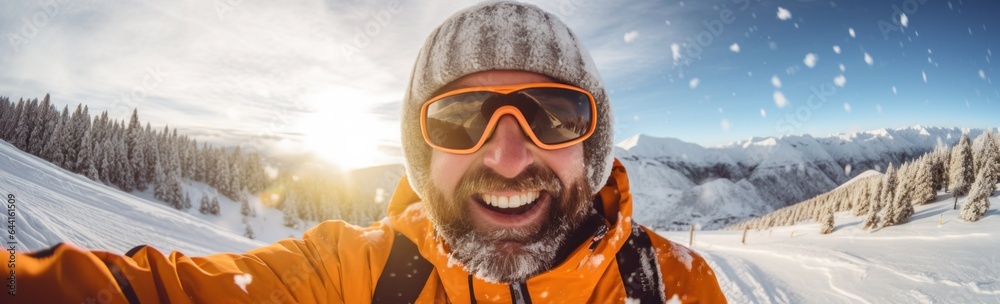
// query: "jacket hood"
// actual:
[[593, 256]]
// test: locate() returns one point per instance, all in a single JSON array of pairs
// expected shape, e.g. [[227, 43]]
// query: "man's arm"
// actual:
[[307, 270]]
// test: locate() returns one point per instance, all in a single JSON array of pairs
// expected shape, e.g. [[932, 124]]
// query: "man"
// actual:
[[511, 196]]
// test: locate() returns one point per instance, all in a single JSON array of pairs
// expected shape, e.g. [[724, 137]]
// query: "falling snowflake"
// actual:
[[840, 81], [847, 107], [780, 100], [894, 90], [725, 125], [982, 74], [676, 50], [924, 74], [868, 59], [775, 81], [735, 47], [242, 280], [905, 21], [763, 114], [810, 60], [851, 31], [836, 49], [630, 36], [784, 14], [694, 82]]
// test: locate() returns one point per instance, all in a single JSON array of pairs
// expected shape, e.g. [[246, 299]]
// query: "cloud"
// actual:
[[735, 48], [780, 100], [694, 82], [784, 14], [840, 81], [810, 60], [868, 59], [630, 36], [775, 81]]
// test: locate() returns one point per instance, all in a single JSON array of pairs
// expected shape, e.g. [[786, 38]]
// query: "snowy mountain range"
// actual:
[[676, 184]]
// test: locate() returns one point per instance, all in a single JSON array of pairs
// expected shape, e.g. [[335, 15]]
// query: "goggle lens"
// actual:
[[554, 115]]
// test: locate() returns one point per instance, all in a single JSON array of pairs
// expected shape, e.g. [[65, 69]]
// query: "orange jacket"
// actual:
[[336, 262]]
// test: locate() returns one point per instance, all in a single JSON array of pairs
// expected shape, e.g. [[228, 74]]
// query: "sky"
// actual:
[[327, 77]]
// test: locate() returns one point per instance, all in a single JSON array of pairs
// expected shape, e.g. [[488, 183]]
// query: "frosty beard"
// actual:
[[507, 255]]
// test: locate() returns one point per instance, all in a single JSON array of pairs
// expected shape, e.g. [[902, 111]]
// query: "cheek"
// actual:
[[447, 170], [567, 163]]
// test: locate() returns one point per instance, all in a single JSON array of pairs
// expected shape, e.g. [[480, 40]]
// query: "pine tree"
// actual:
[[961, 176], [923, 186], [187, 201], [249, 232], [245, 208], [827, 221], [23, 129], [204, 204], [874, 207], [41, 117], [214, 206], [289, 209], [135, 148], [977, 203], [53, 146]]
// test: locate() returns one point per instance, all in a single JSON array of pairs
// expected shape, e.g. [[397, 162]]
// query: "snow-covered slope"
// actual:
[[674, 180], [916, 262], [53, 206]]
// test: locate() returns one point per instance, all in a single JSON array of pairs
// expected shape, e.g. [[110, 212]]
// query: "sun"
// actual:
[[342, 129]]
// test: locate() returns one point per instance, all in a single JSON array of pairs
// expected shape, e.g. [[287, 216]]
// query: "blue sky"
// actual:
[[303, 75]]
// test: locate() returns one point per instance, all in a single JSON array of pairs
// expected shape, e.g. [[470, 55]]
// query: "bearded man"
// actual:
[[511, 195]]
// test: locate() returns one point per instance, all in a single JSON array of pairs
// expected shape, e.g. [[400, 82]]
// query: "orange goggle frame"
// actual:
[[557, 117]]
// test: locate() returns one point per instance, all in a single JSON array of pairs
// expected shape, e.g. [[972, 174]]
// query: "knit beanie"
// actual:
[[502, 35]]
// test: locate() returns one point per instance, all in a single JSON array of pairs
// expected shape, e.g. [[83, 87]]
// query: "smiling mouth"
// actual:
[[510, 204]]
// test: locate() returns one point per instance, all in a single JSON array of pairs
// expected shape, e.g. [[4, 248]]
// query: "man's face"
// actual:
[[475, 197]]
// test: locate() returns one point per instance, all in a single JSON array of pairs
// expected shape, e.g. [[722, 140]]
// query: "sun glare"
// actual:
[[343, 130]]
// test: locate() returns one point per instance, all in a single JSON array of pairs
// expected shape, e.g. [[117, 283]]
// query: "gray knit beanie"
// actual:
[[502, 36]]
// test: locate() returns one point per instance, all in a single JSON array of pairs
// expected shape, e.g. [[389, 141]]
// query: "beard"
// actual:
[[501, 254]]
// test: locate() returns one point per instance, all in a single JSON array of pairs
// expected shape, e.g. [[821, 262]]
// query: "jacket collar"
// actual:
[[593, 256]]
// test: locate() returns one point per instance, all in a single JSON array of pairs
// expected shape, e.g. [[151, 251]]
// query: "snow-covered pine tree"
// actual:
[[961, 175], [244, 207], [135, 148], [289, 210], [248, 232], [893, 200], [204, 204], [214, 206], [979, 146], [42, 116], [923, 185], [53, 146], [977, 203], [827, 221], [936, 162], [236, 176], [187, 201], [23, 129], [874, 207]]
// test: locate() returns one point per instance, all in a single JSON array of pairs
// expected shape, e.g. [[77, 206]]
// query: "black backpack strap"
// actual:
[[404, 275], [639, 269]]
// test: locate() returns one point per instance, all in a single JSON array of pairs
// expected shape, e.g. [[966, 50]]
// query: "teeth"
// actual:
[[512, 201]]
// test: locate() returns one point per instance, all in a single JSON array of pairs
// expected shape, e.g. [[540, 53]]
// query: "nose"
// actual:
[[506, 151]]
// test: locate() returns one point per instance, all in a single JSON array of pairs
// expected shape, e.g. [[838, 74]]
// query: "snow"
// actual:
[[836, 49], [780, 100], [784, 14], [810, 60], [916, 262], [847, 107], [868, 59], [924, 75], [56, 206], [675, 50], [694, 82], [735, 48], [775, 81], [631, 36], [904, 20], [840, 81], [851, 31]]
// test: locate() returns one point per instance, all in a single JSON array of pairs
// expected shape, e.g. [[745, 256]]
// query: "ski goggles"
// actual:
[[554, 116]]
